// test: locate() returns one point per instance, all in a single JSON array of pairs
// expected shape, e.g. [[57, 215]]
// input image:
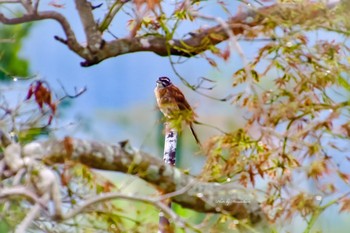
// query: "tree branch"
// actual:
[[198, 41], [20, 191], [32, 214], [93, 35], [201, 196], [201, 41], [111, 196]]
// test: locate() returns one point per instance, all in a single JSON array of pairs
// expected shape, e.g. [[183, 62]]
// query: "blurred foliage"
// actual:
[[297, 126], [78, 182], [11, 39], [31, 134], [29, 120]]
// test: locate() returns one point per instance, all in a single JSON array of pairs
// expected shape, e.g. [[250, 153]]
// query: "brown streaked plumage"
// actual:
[[173, 104]]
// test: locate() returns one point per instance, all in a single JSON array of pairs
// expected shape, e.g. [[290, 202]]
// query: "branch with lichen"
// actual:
[[202, 196]]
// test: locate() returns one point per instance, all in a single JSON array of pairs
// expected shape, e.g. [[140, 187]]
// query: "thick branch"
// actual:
[[93, 35], [202, 40], [198, 41], [201, 196]]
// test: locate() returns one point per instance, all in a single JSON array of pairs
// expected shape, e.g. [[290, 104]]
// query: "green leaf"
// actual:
[[11, 39], [31, 134], [344, 83]]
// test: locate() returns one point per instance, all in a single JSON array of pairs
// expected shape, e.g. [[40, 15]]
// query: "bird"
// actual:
[[174, 106]]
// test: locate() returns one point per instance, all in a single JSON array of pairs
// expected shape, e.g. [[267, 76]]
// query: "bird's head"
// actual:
[[163, 82]]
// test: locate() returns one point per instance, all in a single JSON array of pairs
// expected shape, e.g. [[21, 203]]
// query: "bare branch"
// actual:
[[233, 43], [70, 96], [33, 213], [20, 191], [93, 35]]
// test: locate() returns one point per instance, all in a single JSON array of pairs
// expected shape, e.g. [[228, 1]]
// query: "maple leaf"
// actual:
[[41, 93], [251, 175], [317, 169], [151, 4], [345, 177], [345, 205], [243, 179], [303, 203]]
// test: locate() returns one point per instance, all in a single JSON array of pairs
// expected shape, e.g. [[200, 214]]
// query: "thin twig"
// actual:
[[177, 192], [113, 10], [233, 42], [111, 196], [33, 213], [20, 191], [75, 95]]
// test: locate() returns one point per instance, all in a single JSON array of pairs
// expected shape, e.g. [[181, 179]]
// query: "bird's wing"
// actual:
[[181, 100]]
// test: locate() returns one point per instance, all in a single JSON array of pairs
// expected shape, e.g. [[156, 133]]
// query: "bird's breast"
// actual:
[[166, 102]]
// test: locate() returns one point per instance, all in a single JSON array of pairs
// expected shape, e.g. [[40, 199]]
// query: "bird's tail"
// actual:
[[195, 135]]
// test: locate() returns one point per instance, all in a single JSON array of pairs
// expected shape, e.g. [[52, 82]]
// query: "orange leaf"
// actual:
[[68, 145], [317, 169], [151, 4], [260, 171], [345, 177], [251, 175], [211, 62], [243, 179], [107, 186], [345, 205]]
